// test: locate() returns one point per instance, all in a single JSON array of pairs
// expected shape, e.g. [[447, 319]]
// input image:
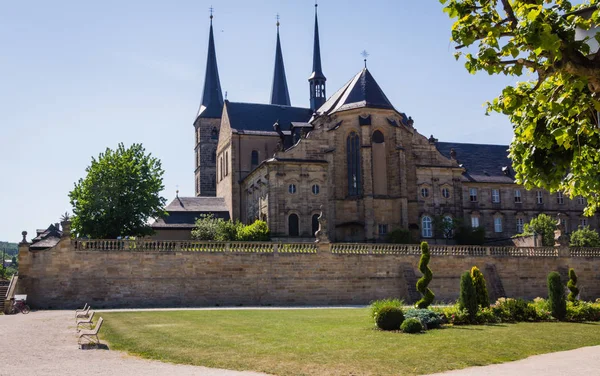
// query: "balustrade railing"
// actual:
[[334, 248]]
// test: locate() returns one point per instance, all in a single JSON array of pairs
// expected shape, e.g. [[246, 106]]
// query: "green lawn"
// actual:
[[328, 341]]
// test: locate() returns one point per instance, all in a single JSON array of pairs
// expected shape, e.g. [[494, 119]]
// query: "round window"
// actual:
[[424, 192], [316, 189], [446, 192], [292, 188]]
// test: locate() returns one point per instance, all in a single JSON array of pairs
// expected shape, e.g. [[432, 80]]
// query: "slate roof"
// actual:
[[47, 238], [361, 91], [183, 211], [483, 163], [279, 91], [261, 117], [212, 96]]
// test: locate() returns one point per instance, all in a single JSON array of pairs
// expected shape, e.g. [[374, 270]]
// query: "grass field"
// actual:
[[328, 341]]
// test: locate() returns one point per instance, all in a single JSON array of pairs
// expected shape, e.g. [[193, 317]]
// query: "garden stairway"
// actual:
[[495, 286], [411, 283], [3, 291]]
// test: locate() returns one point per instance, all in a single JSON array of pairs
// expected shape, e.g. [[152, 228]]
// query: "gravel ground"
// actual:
[[45, 343]]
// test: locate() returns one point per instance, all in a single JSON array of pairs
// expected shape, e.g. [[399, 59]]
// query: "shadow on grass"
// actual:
[[470, 327]]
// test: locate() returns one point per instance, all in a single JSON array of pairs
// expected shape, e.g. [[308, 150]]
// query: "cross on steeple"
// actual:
[[278, 20], [365, 55], [211, 9]]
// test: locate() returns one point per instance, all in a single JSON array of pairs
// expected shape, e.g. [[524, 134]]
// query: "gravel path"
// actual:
[[44, 343]]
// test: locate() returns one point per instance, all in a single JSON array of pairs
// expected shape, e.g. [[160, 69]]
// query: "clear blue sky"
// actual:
[[80, 76]]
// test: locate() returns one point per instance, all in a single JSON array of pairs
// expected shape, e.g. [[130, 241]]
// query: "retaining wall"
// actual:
[[169, 274]]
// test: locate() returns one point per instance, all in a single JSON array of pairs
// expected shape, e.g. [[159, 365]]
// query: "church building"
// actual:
[[357, 159]]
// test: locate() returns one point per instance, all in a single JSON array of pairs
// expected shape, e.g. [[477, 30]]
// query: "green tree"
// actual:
[[542, 224], [481, 292], [120, 192], [556, 296], [424, 281], [468, 296], [585, 237], [14, 262], [555, 116]]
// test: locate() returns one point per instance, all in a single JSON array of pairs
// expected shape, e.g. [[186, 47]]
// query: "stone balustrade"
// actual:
[[334, 248]]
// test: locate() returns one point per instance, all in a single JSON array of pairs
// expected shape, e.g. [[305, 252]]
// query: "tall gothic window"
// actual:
[[354, 177], [254, 158]]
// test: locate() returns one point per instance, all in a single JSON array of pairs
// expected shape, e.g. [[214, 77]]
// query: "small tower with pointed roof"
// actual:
[[317, 78], [208, 122], [279, 92]]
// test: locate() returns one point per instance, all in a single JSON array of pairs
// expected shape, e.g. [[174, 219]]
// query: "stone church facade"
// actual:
[[358, 160]]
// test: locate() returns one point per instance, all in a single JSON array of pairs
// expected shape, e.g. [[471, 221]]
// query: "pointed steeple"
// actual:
[[317, 78], [212, 96], [279, 91]]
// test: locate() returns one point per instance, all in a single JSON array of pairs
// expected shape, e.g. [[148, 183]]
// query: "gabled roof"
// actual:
[[212, 96], [47, 238], [197, 204], [183, 212], [279, 91], [360, 91], [483, 163], [261, 117]]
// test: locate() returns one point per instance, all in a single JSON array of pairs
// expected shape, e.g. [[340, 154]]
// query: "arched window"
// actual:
[[448, 227], [213, 183], [254, 158], [214, 156], [380, 183], [293, 225], [315, 223], [426, 230], [214, 134], [226, 163], [353, 161]]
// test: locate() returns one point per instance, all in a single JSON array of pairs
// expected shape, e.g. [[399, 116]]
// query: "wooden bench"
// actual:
[[90, 334]]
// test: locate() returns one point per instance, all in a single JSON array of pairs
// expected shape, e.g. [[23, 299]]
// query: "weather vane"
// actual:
[[365, 55]]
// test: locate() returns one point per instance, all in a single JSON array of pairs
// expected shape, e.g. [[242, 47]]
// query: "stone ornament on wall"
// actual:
[[321, 234]]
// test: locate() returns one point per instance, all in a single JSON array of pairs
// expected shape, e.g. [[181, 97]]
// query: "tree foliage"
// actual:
[[585, 237], [543, 225], [468, 296], [424, 281], [208, 227], [555, 116], [556, 296], [120, 192]]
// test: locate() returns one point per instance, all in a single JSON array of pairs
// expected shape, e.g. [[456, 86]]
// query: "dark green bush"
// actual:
[[486, 316], [429, 319], [389, 318], [399, 236], [468, 297], [466, 235], [424, 281], [556, 296], [572, 285], [481, 292], [412, 325], [585, 237], [377, 305]]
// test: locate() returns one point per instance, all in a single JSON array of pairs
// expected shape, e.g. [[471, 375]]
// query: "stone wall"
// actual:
[[160, 274]]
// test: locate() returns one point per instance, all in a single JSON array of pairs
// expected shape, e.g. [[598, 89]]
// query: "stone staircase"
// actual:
[[411, 283], [495, 286], [3, 291]]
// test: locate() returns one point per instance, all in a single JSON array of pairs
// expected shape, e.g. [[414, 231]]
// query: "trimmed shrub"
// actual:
[[424, 281], [389, 318], [514, 310], [582, 311], [411, 325], [468, 297], [257, 231], [556, 296], [572, 285], [481, 292], [377, 305], [429, 318]]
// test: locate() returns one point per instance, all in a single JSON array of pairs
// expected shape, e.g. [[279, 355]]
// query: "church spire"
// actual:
[[212, 96], [317, 78], [279, 92]]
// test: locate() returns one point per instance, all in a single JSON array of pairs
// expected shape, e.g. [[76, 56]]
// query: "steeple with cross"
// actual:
[[317, 79]]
